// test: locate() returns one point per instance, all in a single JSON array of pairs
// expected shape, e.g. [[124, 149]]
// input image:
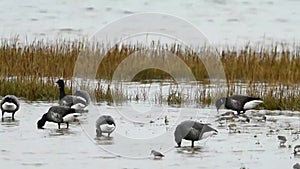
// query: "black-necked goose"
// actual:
[[105, 124], [73, 101], [297, 150], [238, 103], [58, 114], [10, 104], [191, 130], [296, 166], [282, 140]]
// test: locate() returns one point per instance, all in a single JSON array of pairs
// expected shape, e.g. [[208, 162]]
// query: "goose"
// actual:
[[10, 104], [191, 130], [58, 114], [156, 154], [105, 124], [84, 94], [238, 103], [296, 149], [73, 101], [296, 166], [282, 140]]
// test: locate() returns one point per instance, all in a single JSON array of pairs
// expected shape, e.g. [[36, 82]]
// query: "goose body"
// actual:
[[78, 101], [10, 104], [157, 154], [191, 130], [296, 149], [282, 140], [105, 124], [239, 103], [58, 114], [83, 94]]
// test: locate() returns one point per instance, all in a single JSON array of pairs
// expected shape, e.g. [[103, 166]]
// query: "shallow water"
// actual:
[[225, 22], [23, 145]]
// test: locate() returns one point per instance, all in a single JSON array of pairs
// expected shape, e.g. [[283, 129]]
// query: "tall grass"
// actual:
[[30, 70]]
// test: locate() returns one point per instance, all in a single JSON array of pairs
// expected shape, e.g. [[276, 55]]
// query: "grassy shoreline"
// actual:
[[30, 70]]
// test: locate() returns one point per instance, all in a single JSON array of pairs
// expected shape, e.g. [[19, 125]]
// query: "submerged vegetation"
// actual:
[[30, 71]]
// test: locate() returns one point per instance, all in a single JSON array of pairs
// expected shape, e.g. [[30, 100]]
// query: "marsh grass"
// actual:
[[30, 70]]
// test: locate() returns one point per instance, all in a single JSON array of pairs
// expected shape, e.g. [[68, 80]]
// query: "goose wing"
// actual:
[[70, 100], [83, 94], [56, 113], [244, 99]]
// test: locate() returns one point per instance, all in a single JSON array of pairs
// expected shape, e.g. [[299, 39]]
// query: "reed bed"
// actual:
[[29, 70]]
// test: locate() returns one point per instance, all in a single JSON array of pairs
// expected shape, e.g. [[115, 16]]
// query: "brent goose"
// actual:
[[58, 114], [105, 124], [282, 140], [296, 149], [296, 166], [73, 101], [238, 103], [156, 154], [191, 130], [10, 104]]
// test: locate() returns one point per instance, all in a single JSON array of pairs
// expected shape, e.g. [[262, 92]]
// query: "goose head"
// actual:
[[220, 102], [41, 122], [60, 83]]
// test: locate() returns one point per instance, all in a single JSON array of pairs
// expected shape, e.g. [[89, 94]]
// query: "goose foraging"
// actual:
[[105, 124], [191, 130], [10, 104], [58, 114], [239, 103]]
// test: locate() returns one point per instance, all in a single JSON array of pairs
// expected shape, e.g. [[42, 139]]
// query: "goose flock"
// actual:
[[72, 106]]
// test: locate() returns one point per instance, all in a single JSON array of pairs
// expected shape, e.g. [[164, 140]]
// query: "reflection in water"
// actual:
[[60, 132], [189, 149], [104, 140], [9, 122]]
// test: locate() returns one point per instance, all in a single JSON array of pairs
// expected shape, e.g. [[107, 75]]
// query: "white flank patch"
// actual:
[[107, 128], [71, 117], [81, 98], [78, 106], [252, 104], [9, 106], [208, 134]]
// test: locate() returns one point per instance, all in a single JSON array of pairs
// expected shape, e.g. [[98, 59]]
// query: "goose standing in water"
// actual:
[[239, 103], [73, 101], [105, 124], [10, 104], [191, 130], [58, 114]]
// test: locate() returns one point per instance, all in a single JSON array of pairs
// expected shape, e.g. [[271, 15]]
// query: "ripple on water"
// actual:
[[8, 122], [61, 132], [35, 164], [103, 140]]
